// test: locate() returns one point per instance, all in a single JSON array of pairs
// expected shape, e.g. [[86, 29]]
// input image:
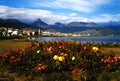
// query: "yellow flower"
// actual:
[[61, 58], [55, 57], [95, 48], [73, 58]]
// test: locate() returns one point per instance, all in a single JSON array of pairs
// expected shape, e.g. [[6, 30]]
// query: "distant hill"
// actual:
[[107, 27], [57, 26], [82, 24], [40, 24], [14, 23], [115, 25], [74, 26], [68, 29]]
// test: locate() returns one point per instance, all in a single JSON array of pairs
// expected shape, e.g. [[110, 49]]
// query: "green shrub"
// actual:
[[84, 60]]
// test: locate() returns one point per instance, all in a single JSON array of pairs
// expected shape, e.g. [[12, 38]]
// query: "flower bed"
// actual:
[[83, 61]]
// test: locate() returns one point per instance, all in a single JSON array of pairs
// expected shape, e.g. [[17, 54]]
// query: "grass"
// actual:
[[12, 44], [105, 76], [110, 49]]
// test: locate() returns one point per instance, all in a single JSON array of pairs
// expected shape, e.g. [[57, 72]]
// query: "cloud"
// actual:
[[105, 18], [85, 6], [29, 15], [73, 15]]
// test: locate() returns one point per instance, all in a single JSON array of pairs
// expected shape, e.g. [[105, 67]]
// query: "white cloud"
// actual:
[[73, 15], [30, 15], [49, 17], [86, 6], [105, 18]]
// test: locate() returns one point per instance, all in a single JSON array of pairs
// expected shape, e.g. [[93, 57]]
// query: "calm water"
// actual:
[[81, 39]]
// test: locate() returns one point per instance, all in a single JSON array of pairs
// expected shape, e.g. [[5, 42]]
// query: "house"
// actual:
[[9, 31], [14, 33], [3, 31], [29, 32]]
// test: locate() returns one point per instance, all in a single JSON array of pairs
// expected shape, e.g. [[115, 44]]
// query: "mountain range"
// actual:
[[82, 24], [58, 26], [115, 25], [40, 24], [14, 23]]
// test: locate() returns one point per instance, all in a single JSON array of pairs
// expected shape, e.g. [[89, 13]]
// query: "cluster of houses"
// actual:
[[17, 32], [8, 32]]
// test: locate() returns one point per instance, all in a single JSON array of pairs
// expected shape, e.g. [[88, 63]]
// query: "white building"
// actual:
[[15, 32]]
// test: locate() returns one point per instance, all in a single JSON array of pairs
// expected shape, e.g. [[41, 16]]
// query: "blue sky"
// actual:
[[64, 11]]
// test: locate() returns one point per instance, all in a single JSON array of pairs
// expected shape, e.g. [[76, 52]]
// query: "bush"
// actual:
[[84, 60]]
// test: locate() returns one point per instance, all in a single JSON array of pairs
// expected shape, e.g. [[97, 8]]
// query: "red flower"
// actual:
[[66, 55], [43, 68], [18, 59], [14, 61], [51, 52], [62, 54], [6, 55], [39, 67], [76, 70], [92, 51], [29, 47], [12, 57]]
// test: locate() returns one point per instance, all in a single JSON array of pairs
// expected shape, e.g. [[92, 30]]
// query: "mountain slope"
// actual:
[[82, 24], [40, 23], [14, 23], [115, 25], [75, 26], [57, 26]]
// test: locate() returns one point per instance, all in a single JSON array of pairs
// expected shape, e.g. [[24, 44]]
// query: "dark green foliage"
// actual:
[[84, 60]]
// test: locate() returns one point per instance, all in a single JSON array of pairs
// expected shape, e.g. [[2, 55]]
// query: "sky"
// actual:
[[64, 11]]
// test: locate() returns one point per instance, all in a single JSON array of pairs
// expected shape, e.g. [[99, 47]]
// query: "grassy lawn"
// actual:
[[109, 49], [11, 44]]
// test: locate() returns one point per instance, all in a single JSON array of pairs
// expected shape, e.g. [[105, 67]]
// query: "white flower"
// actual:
[[73, 58], [50, 48], [38, 51], [55, 57]]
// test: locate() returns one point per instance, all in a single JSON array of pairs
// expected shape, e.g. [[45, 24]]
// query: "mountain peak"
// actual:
[[59, 23], [39, 23], [14, 23], [57, 26], [38, 19]]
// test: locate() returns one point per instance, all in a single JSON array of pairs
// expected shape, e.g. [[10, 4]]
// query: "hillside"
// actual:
[[14, 23], [40, 24]]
